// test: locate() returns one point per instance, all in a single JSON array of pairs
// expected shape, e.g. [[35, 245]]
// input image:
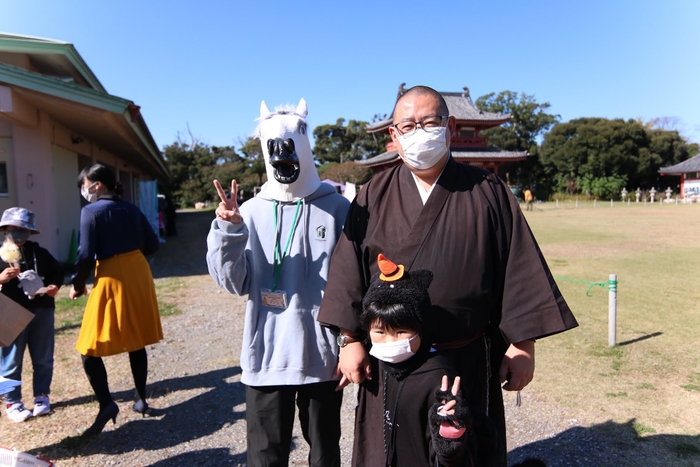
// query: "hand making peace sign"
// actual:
[[228, 208], [448, 428]]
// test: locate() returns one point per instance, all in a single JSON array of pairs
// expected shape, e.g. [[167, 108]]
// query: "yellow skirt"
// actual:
[[121, 314]]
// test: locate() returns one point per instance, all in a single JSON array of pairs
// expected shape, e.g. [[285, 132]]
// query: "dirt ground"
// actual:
[[194, 385]]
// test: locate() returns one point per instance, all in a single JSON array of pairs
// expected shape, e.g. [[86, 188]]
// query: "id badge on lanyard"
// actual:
[[272, 297], [276, 299]]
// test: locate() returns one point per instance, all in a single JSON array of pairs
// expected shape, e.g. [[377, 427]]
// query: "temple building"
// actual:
[[467, 144], [689, 171]]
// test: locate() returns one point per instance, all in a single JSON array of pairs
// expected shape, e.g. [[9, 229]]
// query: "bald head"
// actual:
[[417, 91]]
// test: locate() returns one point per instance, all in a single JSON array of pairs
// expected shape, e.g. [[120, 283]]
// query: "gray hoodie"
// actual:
[[281, 346]]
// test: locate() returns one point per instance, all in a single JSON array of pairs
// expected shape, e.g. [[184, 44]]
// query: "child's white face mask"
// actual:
[[393, 352]]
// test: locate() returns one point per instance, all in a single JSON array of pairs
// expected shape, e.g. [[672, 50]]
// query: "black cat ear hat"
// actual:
[[394, 285]]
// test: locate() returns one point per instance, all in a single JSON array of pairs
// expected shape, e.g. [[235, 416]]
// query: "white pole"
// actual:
[[594, 201], [557, 206], [612, 309], [576, 203], [611, 202], [628, 202]]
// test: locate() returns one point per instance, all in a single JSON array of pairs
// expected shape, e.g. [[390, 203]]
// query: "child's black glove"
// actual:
[[450, 420]]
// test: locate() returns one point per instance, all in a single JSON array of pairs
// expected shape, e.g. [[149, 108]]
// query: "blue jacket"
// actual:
[[108, 227], [281, 346]]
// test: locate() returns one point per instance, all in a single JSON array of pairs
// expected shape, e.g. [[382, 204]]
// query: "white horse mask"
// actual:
[[291, 171]]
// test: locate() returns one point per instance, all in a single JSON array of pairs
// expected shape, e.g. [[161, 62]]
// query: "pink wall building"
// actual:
[[55, 119]]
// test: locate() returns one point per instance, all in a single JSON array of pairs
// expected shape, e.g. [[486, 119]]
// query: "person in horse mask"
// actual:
[[276, 249]]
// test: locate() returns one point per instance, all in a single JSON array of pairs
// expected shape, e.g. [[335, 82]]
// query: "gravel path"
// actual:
[[194, 382]]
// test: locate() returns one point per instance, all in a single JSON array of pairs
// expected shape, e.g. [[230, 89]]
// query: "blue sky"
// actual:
[[208, 64]]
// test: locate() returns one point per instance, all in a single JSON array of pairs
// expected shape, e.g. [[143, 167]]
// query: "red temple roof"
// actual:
[[461, 107], [470, 148]]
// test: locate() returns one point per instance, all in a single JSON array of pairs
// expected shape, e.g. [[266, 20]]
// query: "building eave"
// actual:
[[473, 155], [489, 155], [376, 127], [58, 88], [35, 45], [121, 113], [688, 165]]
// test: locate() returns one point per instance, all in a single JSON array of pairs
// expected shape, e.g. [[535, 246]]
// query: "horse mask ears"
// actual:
[[301, 108], [264, 111]]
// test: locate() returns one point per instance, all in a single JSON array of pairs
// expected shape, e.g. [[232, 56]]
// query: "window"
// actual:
[[4, 189], [467, 132]]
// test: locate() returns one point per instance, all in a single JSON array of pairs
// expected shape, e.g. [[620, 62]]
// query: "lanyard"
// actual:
[[24, 260], [280, 256]]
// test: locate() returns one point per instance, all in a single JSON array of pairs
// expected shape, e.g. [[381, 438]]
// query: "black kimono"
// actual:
[[392, 426], [491, 284]]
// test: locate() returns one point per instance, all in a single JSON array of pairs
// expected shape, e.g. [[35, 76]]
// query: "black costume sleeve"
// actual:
[[85, 261], [50, 268]]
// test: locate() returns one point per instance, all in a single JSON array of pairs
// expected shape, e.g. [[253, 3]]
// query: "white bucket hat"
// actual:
[[19, 217]]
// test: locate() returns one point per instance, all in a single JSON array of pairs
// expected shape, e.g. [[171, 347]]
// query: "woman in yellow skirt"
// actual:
[[121, 314]]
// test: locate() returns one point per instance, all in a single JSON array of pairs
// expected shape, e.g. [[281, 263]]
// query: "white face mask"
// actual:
[[89, 197], [18, 236], [393, 352], [423, 149]]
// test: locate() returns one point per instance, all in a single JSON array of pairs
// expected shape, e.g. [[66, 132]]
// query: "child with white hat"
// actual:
[[23, 264]]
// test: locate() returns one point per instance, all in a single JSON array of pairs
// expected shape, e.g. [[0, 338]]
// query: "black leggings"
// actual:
[[97, 375]]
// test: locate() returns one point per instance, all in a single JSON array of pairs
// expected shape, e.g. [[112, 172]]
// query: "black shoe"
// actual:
[[106, 413], [141, 406]]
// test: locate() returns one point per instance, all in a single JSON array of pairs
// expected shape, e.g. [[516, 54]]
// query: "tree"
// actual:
[[254, 161], [596, 152], [193, 166], [346, 172], [226, 155], [529, 121], [229, 165], [602, 187], [342, 143], [190, 167]]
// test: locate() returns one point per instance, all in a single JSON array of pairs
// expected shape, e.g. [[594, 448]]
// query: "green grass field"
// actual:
[[653, 374]]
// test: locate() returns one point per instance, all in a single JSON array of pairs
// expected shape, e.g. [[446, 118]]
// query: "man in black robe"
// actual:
[[493, 294]]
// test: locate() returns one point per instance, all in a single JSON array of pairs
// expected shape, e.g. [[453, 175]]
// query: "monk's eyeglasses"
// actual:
[[430, 123]]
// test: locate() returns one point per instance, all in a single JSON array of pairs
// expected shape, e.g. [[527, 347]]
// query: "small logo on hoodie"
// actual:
[[321, 232]]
